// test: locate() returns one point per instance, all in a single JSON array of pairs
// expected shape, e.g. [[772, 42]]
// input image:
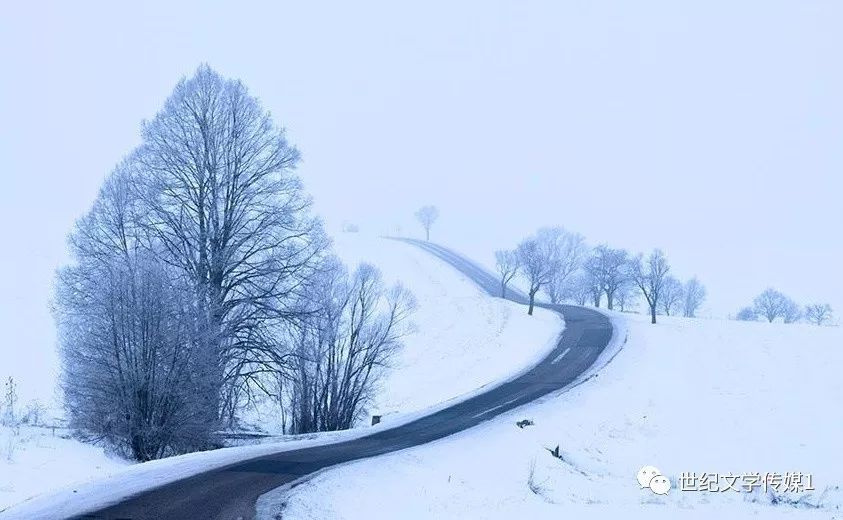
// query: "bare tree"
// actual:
[[609, 268], [427, 215], [579, 289], [569, 250], [537, 260], [791, 312], [818, 313], [694, 296], [342, 349], [672, 295], [216, 176], [649, 276], [10, 403], [772, 304], [552, 254], [625, 297], [746, 314], [188, 271], [506, 262], [126, 334]]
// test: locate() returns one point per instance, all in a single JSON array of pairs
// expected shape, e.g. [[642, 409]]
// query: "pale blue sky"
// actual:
[[711, 129]]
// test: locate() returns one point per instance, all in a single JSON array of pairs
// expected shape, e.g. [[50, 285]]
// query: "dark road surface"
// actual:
[[231, 492]]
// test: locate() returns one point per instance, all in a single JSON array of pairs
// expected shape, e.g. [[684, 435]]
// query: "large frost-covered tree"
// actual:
[[125, 333], [230, 214], [207, 218]]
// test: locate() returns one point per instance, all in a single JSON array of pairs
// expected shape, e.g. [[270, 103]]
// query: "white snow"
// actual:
[[463, 338], [33, 459], [463, 341], [686, 395]]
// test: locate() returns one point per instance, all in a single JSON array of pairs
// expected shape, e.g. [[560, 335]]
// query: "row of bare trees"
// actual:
[[198, 278], [772, 305], [560, 263]]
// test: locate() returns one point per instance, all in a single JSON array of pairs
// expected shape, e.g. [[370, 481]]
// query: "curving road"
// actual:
[[231, 492]]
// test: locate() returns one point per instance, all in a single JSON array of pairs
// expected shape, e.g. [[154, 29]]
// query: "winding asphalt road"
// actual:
[[231, 492]]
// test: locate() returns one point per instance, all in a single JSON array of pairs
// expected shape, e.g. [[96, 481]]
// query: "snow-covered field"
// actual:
[[463, 340], [33, 459], [685, 396]]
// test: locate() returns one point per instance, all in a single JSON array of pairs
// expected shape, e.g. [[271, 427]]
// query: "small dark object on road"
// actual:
[[524, 422]]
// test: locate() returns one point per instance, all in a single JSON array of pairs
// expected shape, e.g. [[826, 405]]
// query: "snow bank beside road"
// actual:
[[684, 395], [33, 459]]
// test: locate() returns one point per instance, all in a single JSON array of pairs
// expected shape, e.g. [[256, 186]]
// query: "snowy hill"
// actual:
[[685, 395]]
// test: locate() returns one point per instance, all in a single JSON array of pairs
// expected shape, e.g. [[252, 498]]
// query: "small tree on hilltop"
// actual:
[[427, 215]]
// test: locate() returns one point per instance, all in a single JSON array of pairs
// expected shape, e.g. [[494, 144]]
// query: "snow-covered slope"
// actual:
[[33, 459], [463, 340], [684, 395]]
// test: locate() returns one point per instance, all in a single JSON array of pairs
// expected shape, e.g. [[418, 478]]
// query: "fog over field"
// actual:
[[711, 131]]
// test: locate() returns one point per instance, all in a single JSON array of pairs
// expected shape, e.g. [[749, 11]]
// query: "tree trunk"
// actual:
[[652, 313], [609, 300], [503, 289], [532, 302], [427, 234]]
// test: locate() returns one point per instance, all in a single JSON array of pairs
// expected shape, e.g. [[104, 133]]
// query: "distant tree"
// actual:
[[579, 289], [791, 312], [570, 251], [10, 401], [552, 255], [694, 296], [537, 258], [609, 269], [625, 297], [34, 413], [649, 275], [818, 313], [427, 215], [746, 314], [672, 295], [772, 304], [506, 262], [595, 288]]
